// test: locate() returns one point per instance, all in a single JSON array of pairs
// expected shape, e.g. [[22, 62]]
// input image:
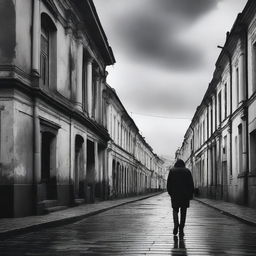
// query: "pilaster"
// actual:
[[36, 38], [79, 92], [89, 85]]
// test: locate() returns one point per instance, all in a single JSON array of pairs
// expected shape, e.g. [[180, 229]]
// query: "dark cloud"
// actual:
[[142, 32], [150, 99], [188, 9], [152, 30], [155, 41]]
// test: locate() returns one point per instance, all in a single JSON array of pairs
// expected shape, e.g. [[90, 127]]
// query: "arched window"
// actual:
[[48, 52]]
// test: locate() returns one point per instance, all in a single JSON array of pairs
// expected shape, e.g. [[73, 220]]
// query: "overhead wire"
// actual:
[[163, 117]]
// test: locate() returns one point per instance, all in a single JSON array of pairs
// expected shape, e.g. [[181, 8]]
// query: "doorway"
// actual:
[[79, 167], [90, 174], [48, 166]]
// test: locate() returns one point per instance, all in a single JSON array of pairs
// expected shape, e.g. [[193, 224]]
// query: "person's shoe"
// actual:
[[175, 231], [181, 232]]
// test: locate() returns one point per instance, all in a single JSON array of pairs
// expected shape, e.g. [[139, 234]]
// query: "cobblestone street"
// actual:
[[140, 228]]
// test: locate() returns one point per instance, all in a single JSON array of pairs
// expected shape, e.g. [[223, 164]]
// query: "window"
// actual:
[[94, 93], [84, 83], [48, 66], [254, 67], [118, 132], [211, 118], [237, 85], [203, 127], [253, 151], [114, 130], [45, 56], [236, 154], [219, 107], [225, 100], [240, 147], [225, 146]]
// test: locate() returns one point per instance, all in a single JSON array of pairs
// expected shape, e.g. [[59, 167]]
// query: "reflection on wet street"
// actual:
[[140, 228]]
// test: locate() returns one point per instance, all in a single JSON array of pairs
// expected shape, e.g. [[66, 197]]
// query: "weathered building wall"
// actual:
[[53, 145], [54, 119], [8, 31], [23, 35], [133, 167], [230, 100], [7, 152]]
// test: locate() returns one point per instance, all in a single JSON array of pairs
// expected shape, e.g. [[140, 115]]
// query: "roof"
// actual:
[[95, 29]]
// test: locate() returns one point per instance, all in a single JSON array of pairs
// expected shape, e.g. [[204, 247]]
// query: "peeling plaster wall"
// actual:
[[7, 161], [63, 156], [77, 130], [15, 36], [62, 138], [23, 34], [23, 143], [63, 67], [8, 31], [252, 177], [7, 144]]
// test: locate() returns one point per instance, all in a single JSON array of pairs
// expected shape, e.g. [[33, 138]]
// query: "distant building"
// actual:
[[220, 144], [133, 167], [54, 145]]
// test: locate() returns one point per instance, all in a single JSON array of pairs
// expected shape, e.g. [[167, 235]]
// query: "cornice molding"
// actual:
[[58, 102]]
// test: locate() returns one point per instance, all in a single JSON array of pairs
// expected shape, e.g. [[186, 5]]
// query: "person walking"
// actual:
[[180, 187]]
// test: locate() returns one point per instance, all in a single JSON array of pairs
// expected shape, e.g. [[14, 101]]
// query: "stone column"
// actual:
[[89, 86], [36, 38], [79, 80]]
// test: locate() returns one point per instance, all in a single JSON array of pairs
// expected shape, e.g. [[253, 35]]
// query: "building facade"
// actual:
[[133, 167], [219, 145], [54, 142]]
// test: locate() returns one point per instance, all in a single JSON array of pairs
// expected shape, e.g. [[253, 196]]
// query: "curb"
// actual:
[[68, 220], [238, 217]]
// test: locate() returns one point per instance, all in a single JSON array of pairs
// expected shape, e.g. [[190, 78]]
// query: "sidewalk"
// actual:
[[242, 213], [15, 226]]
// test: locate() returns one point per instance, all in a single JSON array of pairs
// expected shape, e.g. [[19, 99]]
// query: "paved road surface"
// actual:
[[140, 228]]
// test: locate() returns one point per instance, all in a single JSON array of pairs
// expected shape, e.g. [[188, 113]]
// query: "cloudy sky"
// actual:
[[165, 54]]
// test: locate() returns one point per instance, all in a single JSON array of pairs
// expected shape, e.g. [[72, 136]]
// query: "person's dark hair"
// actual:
[[179, 163]]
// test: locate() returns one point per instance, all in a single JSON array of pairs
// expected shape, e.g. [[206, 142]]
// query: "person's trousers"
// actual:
[[183, 213]]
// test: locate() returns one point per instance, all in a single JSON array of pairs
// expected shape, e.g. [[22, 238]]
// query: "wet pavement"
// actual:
[[140, 228]]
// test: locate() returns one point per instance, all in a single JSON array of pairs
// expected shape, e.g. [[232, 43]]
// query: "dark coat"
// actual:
[[180, 186]]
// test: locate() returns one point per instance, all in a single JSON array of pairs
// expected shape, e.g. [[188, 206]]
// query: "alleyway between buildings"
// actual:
[[142, 227]]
